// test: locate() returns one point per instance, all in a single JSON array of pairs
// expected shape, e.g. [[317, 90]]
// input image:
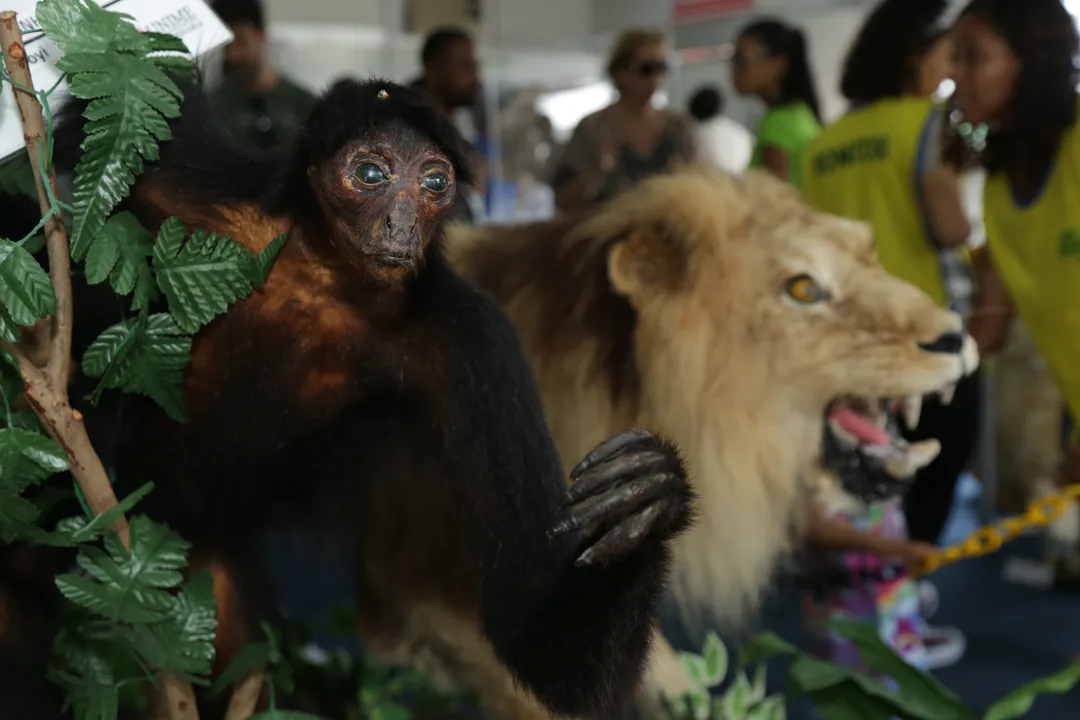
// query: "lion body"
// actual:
[[663, 310]]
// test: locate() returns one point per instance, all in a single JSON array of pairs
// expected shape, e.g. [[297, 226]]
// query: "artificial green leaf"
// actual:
[[253, 656], [120, 252], [695, 669], [771, 708], [921, 693], [25, 289], [757, 688], [147, 356], [846, 702], [716, 660], [1019, 701], [81, 27], [90, 666], [207, 274], [390, 711], [27, 457], [263, 263], [183, 643], [129, 587], [9, 329], [764, 647], [81, 530], [131, 100], [736, 701]]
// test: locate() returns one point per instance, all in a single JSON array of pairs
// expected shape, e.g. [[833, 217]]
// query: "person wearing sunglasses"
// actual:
[[770, 63], [629, 140]]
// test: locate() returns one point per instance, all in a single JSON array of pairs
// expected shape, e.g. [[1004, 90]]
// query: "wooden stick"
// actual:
[[46, 390], [55, 234], [245, 696]]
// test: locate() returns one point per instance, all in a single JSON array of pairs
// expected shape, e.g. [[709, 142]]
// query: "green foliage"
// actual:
[[841, 693], [745, 699], [122, 73], [26, 293]]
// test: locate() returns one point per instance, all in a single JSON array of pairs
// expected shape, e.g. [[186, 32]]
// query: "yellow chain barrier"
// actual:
[[989, 538]]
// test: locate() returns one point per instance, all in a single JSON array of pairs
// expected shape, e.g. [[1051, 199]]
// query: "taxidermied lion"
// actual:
[[726, 314]]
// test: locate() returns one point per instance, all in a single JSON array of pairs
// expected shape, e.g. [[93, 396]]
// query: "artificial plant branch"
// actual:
[[245, 696], [18, 69], [46, 389]]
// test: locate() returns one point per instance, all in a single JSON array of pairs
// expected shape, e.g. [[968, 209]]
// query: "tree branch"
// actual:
[[15, 61], [245, 696], [47, 389]]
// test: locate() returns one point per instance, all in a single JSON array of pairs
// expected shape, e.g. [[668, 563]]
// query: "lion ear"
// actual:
[[646, 261]]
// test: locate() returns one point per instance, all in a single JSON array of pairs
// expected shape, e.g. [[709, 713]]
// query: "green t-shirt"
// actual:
[[264, 121], [789, 127]]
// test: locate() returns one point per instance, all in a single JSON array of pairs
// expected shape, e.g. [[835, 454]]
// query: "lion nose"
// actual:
[[951, 343]]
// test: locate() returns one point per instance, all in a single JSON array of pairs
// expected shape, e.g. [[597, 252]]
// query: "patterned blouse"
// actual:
[[675, 145]]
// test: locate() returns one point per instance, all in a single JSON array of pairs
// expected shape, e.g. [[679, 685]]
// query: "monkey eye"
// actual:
[[370, 174], [435, 182]]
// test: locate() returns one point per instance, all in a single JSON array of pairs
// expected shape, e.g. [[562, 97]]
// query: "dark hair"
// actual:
[[705, 103], [883, 59], [789, 42], [232, 12], [437, 42], [1043, 36]]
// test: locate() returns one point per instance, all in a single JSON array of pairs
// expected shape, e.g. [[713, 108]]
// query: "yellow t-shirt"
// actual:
[[1035, 249], [864, 167]]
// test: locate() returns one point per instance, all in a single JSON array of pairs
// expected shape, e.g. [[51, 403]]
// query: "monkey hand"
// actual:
[[629, 491]]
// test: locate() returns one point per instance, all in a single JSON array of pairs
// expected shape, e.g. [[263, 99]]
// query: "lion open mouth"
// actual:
[[864, 447]]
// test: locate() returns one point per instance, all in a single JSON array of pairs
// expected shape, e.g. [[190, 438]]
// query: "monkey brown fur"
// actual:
[[369, 391]]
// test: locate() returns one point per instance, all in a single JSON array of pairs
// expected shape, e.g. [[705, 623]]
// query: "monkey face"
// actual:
[[383, 198]]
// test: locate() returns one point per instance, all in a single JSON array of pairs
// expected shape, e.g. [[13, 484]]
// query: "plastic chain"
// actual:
[[989, 538]]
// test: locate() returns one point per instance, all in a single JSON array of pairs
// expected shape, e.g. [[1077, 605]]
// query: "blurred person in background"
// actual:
[[258, 105], [882, 163], [629, 140], [451, 81], [770, 63], [720, 140], [1015, 72]]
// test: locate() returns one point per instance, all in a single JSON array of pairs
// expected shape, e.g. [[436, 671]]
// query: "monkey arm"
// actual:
[[575, 633]]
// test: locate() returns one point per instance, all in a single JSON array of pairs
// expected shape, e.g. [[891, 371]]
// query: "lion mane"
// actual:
[[670, 308]]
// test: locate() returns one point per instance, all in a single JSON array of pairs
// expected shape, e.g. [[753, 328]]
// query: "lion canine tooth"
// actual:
[[969, 355], [912, 410], [947, 394], [918, 455]]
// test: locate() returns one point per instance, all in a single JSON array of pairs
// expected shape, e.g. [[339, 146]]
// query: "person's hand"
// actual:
[[913, 553]]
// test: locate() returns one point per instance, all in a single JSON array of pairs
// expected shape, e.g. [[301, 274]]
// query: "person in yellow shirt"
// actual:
[[1015, 72], [882, 163]]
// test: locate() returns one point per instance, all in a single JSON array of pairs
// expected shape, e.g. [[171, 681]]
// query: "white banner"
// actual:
[[190, 20]]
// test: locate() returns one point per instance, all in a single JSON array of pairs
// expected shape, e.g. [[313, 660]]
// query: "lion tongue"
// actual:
[[860, 426]]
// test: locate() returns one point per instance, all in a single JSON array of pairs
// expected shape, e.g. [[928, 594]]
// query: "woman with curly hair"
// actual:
[[1016, 73]]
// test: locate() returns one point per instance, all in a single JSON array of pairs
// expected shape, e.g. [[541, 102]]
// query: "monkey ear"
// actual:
[[649, 260]]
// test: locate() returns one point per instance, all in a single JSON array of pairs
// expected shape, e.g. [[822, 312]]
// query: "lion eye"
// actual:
[[805, 290], [370, 174], [435, 182]]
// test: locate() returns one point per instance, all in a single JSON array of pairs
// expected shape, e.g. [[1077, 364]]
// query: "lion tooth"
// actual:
[[969, 355], [912, 410], [917, 455], [947, 394]]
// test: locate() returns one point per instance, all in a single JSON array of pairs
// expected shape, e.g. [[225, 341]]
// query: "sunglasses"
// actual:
[[652, 67]]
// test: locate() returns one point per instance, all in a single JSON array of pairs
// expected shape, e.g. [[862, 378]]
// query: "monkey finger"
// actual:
[[622, 499], [609, 447], [607, 474], [624, 538]]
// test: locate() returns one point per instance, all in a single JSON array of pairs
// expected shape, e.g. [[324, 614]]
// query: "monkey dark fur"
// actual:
[[369, 388]]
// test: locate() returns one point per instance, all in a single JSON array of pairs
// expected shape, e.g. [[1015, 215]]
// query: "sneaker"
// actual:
[[928, 598], [944, 646]]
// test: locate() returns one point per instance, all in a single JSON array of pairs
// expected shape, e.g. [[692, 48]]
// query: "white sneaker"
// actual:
[[928, 598], [944, 646]]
